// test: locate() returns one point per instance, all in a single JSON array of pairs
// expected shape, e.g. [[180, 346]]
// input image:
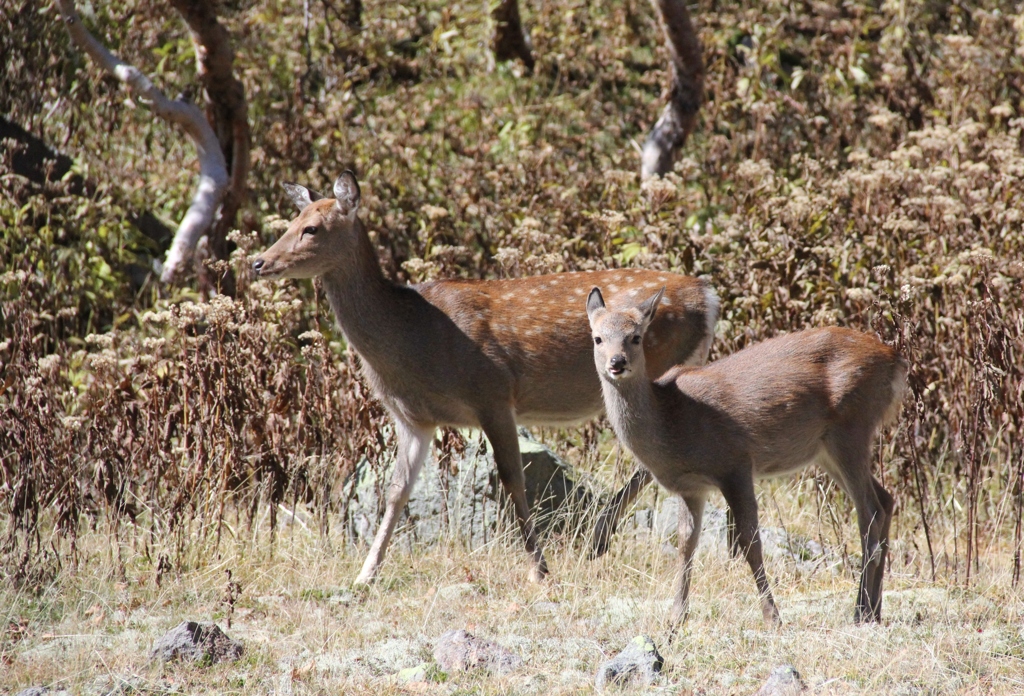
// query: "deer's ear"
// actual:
[[346, 193], [301, 196], [595, 304], [649, 306]]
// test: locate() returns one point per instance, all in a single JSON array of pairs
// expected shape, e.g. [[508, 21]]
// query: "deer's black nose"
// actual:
[[617, 364], [257, 265]]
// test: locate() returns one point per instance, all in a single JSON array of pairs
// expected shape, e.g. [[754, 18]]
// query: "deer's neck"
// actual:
[[632, 409], [365, 303]]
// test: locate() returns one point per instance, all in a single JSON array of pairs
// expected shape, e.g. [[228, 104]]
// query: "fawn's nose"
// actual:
[[257, 266], [617, 364]]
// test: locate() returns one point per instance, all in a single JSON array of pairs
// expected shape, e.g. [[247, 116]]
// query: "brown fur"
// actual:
[[771, 409], [487, 354]]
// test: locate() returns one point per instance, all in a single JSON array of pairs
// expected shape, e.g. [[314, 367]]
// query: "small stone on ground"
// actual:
[[459, 650], [191, 641], [639, 663], [784, 681]]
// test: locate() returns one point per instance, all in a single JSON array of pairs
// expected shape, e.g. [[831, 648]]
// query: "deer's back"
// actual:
[[536, 329], [777, 400]]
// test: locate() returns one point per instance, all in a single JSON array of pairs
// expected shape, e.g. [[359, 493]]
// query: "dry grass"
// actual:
[[856, 164], [307, 631]]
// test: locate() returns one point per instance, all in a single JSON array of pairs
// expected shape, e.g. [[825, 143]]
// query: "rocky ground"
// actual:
[[453, 615]]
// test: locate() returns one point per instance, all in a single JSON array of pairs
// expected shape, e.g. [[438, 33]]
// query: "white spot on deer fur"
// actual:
[[663, 278], [613, 288], [650, 285], [664, 300], [578, 291], [670, 316], [508, 296], [534, 291]]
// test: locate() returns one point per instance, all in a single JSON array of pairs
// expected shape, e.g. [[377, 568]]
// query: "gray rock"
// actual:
[[783, 681], [554, 490], [639, 663], [42, 691], [467, 500], [191, 641], [459, 651]]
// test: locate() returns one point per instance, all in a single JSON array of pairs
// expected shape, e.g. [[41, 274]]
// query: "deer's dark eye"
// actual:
[[308, 230], [636, 340], [597, 340]]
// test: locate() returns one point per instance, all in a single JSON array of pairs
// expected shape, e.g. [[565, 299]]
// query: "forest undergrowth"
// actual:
[[857, 164]]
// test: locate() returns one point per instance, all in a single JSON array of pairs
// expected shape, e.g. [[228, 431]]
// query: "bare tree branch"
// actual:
[[226, 108], [686, 90], [213, 174]]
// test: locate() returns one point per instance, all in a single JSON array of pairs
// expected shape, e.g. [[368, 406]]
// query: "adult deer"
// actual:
[[771, 409], [487, 354]]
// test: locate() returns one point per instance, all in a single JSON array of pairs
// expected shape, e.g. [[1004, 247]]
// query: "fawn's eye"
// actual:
[[597, 340], [636, 340], [308, 230]]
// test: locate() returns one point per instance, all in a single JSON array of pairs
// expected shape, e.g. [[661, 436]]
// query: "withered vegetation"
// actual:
[[855, 165]]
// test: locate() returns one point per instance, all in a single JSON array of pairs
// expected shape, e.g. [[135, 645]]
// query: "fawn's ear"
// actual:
[[649, 306], [595, 304], [346, 193], [301, 196]]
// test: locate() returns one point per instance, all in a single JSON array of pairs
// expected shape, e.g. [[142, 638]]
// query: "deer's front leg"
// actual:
[[608, 519], [500, 430], [691, 519], [413, 446], [740, 496]]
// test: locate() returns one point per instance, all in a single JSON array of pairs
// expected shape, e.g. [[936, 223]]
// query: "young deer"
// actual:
[[812, 396], [487, 354]]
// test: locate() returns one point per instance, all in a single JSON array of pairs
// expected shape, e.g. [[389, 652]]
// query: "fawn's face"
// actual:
[[619, 336], [320, 238]]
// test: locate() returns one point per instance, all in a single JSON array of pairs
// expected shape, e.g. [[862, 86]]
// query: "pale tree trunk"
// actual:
[[226, 110], [213, 173], [686, 90], [686, 67]]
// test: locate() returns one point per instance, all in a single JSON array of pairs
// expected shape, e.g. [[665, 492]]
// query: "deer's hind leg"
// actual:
[[413, 447], [739, 495], [500, 430], [850, 452], [608, 519]]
